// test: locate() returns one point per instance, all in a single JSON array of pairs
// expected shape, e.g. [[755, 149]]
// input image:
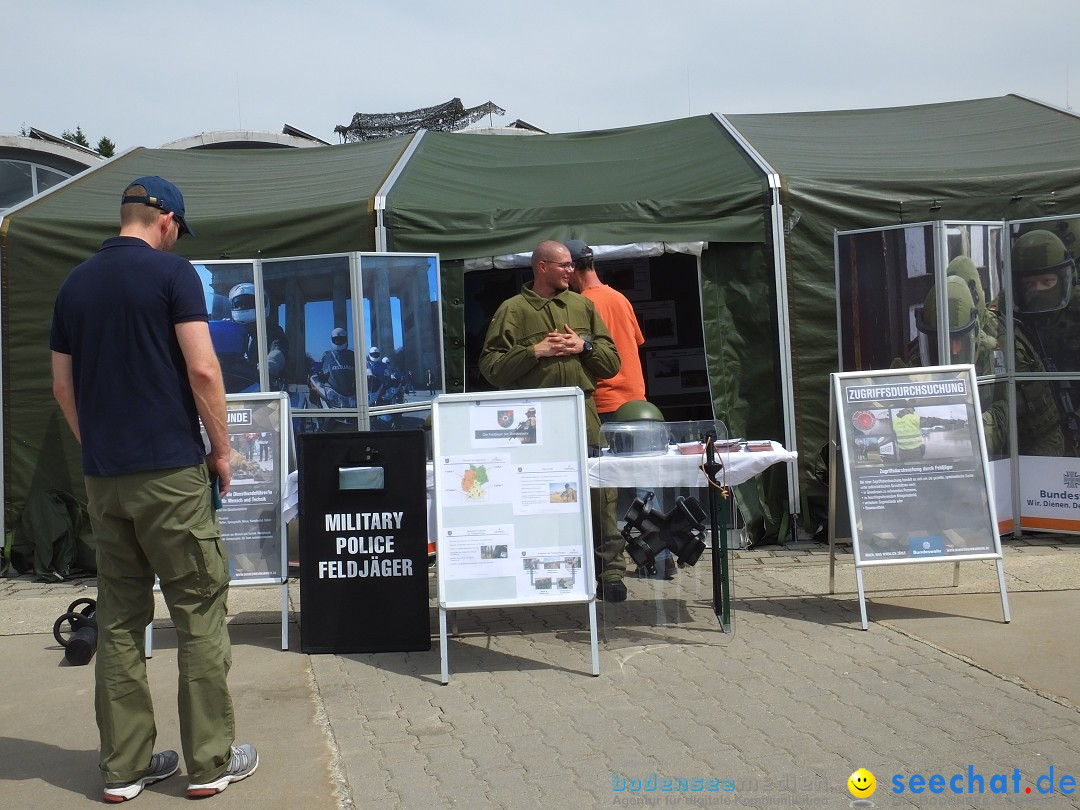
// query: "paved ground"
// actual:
[[777, 713]]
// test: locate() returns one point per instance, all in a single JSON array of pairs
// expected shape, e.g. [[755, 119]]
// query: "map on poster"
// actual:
[[476, 480], [917, 473]]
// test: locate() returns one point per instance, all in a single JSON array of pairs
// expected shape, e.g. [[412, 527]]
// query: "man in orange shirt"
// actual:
[[622, 323], [629, 384]]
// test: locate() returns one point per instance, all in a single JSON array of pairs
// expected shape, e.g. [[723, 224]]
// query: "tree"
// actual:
[[105, 147], [75, 137]]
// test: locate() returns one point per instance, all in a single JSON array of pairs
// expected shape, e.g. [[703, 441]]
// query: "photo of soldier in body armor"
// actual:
[[888, 301], [1039, 431], [1046, 312]]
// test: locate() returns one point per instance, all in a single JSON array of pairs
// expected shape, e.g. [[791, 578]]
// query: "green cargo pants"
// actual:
[[608, 542], [160, 522]]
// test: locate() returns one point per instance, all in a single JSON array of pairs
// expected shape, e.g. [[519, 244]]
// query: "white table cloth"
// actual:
[[672, 470], [676, 470]]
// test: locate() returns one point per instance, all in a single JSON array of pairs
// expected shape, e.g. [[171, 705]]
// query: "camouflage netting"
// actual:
[[447, 117]]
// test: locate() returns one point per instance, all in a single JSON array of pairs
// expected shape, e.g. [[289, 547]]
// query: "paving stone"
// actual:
[[798, 691]]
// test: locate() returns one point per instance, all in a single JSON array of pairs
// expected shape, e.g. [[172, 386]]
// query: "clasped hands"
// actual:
[[559, 344]]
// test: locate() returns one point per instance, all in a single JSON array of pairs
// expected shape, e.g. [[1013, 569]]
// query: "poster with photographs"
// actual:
[[1001, 296], [916, 466], [512, 508], [250, 513], [676, 371], [659, 322], [886, 297]]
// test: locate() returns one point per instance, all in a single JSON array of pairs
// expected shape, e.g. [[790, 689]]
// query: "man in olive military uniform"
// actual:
[[549, 336]]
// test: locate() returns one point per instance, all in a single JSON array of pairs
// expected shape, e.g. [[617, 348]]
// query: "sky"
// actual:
[[147, 74]]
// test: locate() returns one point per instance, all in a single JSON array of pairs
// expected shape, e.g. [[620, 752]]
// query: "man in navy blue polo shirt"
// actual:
[[134, 371]]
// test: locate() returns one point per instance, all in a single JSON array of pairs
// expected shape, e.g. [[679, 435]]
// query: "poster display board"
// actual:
[[676, 371], [512, 508], [1045, 314], [1003, 297], [250, 514], [363, 542], [916, 473]]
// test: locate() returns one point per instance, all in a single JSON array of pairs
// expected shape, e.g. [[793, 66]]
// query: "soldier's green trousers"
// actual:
[[160, 522], [608, 542]]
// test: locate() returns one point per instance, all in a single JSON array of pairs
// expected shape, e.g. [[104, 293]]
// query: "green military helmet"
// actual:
[[637, 428], [1042, 273], [963, 267], [637, 410], [963, 325], [1067, 230]]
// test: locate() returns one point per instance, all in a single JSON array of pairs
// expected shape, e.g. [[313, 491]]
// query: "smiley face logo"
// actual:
[[862, 784]]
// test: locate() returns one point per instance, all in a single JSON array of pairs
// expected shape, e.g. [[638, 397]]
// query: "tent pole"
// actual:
[[383, 194], [776, 222]]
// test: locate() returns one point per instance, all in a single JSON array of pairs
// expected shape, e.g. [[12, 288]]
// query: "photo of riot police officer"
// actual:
[[237, 346]]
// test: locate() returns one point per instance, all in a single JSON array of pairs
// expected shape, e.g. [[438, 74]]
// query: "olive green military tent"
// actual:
[[471, 196], [459, 195], [240, 203], [765, 192], [985, 159]]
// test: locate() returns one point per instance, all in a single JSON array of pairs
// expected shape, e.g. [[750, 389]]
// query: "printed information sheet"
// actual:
[[477, 551], [550, 570], [548, 489], [512, 511]]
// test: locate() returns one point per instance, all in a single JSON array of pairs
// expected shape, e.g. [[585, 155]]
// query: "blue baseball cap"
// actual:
[[160, 194]]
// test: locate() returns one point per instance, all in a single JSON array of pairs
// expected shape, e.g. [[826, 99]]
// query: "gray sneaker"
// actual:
[[242, 764], [162, 765]]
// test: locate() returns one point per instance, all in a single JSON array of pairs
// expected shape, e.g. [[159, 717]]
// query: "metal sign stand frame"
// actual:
[[840, 452], [556, 441]]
